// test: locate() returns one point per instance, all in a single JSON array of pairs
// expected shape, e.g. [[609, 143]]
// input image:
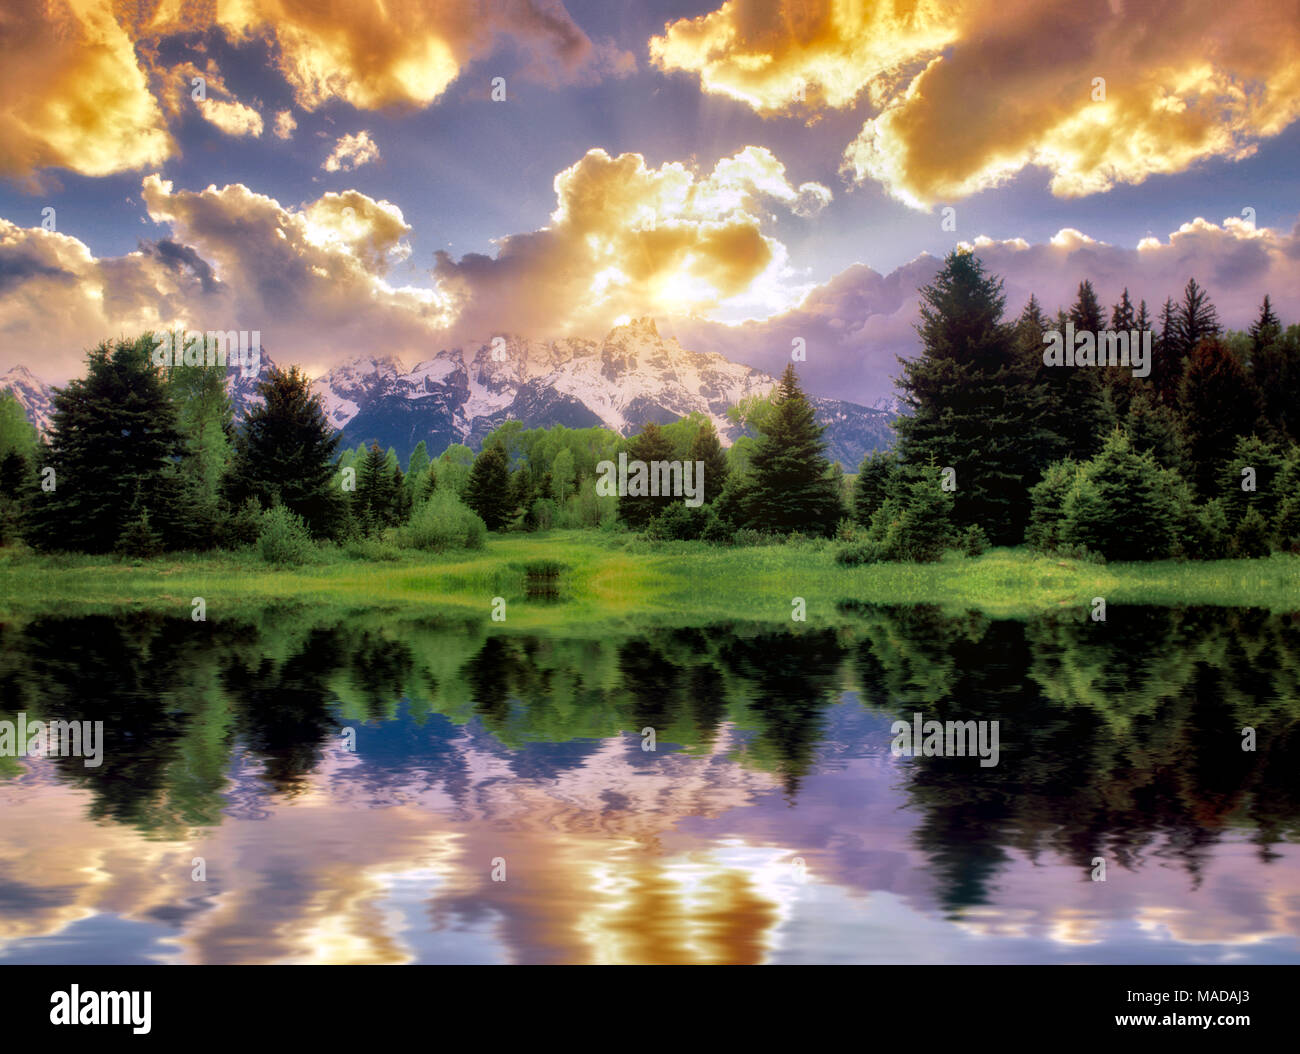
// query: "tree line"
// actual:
[[1197, 459]]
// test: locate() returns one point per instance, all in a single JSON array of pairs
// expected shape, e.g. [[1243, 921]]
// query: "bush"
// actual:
[[855, 554], [241, 526], [1047, 506], [1211, 535], [678, 522], [443, 522], [138, 540], [1251, 540], [974, 542], [1121, 505], [284, 540], [371, 549], [716, 530]]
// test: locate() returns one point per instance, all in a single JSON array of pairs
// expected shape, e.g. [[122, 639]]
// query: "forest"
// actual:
[[1193, 457]]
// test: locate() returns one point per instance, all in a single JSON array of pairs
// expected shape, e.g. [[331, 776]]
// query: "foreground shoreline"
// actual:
[[572, 576]]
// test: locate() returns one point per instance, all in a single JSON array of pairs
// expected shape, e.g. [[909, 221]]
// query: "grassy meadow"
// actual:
[[568, 577]]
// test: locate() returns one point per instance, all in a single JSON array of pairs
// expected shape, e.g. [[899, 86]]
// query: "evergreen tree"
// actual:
[[417, 469], [1275, 369], [793, 487], [1167, 358], [1118, 505], [113, 437], [1221, 404], [1086, 311], [1195, 320], [970, 397], [649, 446], [1122, 316], [487, 491], [1266, 329], [878, 479], [284, 453], [707, 448], [374, 501]]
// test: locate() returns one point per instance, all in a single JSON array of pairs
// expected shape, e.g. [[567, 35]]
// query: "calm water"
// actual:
[[771, 823]]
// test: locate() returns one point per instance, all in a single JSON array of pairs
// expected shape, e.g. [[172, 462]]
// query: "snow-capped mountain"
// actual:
[[630, 378], [32, 394]]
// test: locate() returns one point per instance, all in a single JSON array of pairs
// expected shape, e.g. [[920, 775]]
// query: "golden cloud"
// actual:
[[74, 94], [629, 239], [82, 88], [350, 152], [970, 94]]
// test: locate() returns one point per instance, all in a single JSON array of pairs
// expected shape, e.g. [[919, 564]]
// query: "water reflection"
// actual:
[[771, 822]]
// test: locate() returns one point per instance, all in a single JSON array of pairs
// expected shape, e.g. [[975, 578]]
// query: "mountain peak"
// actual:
[[637, 327]]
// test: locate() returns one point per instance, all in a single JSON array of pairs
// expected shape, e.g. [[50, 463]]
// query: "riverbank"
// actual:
[[561, 577]]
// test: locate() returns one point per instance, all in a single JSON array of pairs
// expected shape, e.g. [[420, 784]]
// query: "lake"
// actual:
[[368, 787]]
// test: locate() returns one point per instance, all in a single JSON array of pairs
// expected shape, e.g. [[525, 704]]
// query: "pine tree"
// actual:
[[1118, 506], [1266, 329], [1086, 311], [793, 487], [1275, 369], [1167, 358], [649, 446], [417, 468], [1221, 404], [971, 398], [113, 436], [1195, 320], [487, 491], [707, 448], [372, 502], [1121, 315], [285, 452], [878, 479]]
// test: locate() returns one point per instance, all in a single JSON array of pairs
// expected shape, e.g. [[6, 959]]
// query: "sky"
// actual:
[[394, 177]]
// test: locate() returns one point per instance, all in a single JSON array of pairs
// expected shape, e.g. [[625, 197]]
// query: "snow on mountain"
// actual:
[[632, 377], [33, 394]]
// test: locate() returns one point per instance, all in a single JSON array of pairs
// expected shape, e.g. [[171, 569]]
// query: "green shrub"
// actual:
[[678, 522], [241, 526], [1047, 506], [371, 549], [1121, 505], [716, 530], [1212, 536], [443, 522], [974, 542], [1251, 538], [138, 540], [284, 540], [854, 554]]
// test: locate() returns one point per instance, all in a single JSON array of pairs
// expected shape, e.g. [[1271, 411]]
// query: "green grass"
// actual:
[[611, 577]]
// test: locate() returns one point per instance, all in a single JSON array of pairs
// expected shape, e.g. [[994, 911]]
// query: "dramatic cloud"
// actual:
[[857, 324], [75, 74], [351, 151], [284, 125], [970, 94], [74, 95], [311, 280], [626, 239]]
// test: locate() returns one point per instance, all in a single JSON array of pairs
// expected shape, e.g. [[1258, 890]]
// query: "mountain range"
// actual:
[[630, 378]]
